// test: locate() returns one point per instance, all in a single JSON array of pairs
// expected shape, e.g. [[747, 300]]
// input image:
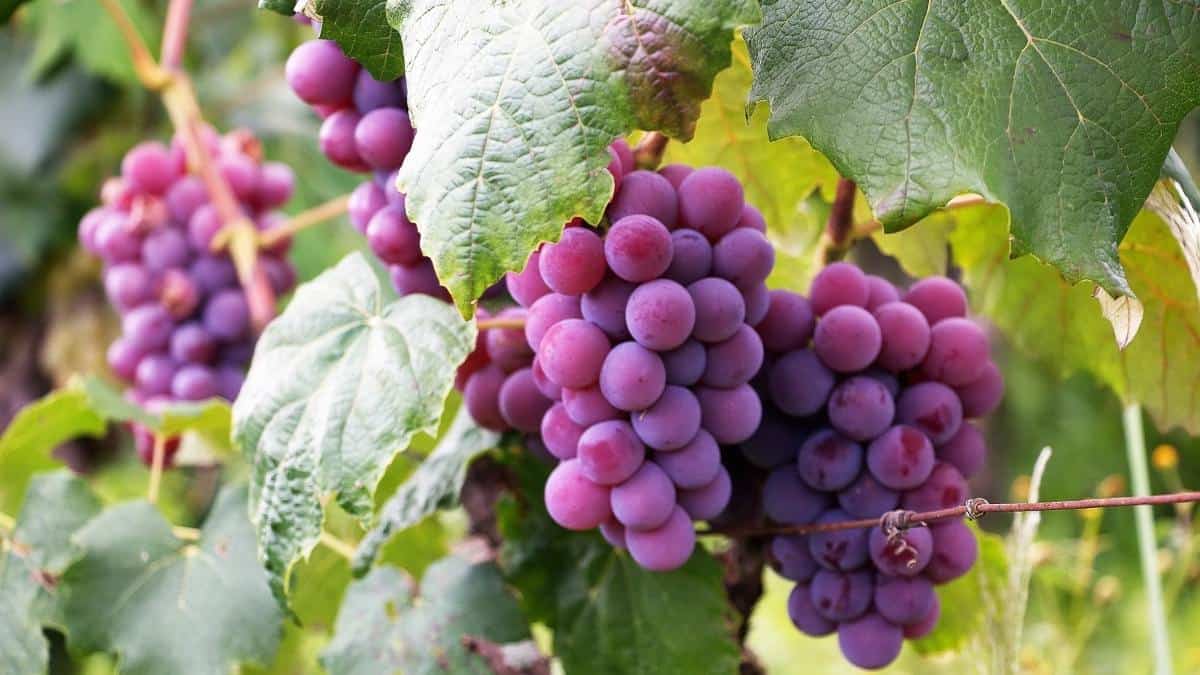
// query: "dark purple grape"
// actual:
[[194, 383], [638, 248], [841, 596], [320, 73], [148, 327], [867, 497], [889, 381], [610, 452], [787, 500], [645, 193], [938, 298], [366, 200], [154, 375], [572, 353], [660, 314], [931, 407], [671, 422], [847, 339], [799, 383], [692, 257], [383, 138], [695, 464], [880, 291], [213, 274], [901, 458], [708, 501], [229, 382], [337, 142], [632, 377], [905, 336], [521, 404], [966, 450], [666, 548], [574, 501], [685, 364], [804, 614], [227, 316], [981, 396], [870, 641], [371, 94], [418, 278], [788, 324], [710, 200], [792, 558], [958, 352], [645, 500], [127, 286], [904, 555], [185, 196], [281, 274], [758, 301], [605, 305], [944, 488], [560, 433], [861, 408], [588, 406], [190, 343], [837, 285], [774, 442], [575, 264], [675, 173], [482, 397], [730, 415], [828, 461], [927, 623], [735, 361], [393, 237], [744, 257], [720, 309], [954, 551], [903, 601], [843, 550]]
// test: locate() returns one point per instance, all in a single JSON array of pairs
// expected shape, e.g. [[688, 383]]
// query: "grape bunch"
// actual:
[[869, 394], [366, 129], [185, 321]]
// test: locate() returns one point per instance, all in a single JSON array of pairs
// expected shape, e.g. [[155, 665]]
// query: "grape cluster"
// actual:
[[185, 322], [869, 391], [366, 129]]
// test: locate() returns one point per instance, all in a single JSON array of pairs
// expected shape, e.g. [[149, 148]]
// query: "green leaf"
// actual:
[[85, 29], [516, 102], [434, 485], [610, 616], [387, 626], [8, 8], [1062, 112], [966, 600], [163, 605], [362, 30], [56, 505], [340, 383], [284, 7]]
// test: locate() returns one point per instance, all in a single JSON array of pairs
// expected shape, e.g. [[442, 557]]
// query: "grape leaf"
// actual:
[[164, 605], [387, 625], [966, 601], [362, 30], [85, 29], [610, 616], [515, 103], [285, 7], [434, 485], [1062, 111], [340, 382], [56, 505]]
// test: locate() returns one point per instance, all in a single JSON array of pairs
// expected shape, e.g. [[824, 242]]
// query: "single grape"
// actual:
[[547, 311], [645, 193], [116, 241], [660, 314], [227, 316], [841, 596], [799, 383], [148, 327], [981, 396], [418, 278], [560, 433], [123, 356], [625, 153], [711, 200], [695, 464], [154, 375], [127, 285], [944, 488], [481, 395], [638, 248], [927, 623], [686, 363], [752, 219], [229, 382], [572, 353], [804, 614], [730, 415], [870, 641], [614, 168], [237, 353], [847, 339], [213, 274], [889, 381], [931, 407], [276, 184], [844, 550], [609, 452], [774, 442], [614, 533], [336, 139], [548, 387], [393, 238], [573, 501], [861, 408], [966, 450], [788, 500], [904, 555], [708, 501], [958, 352], [866, 497], [588, 406], [671, 422], [645, 500], [938, 298], [241, 174], [792, 558], [281, 274], [632, 377], [194, 383], [371, 94], [365, 201], [734, 361], [383, 138], [186, 196], [880, 291], [788, 324], [575, 264], [954, 551], [320, 73], [675, 174], [901, 458], [147, 168], [692, 257], [720, 309], [521, 404], [903, 600], [837, 285], [744, 257], [605, 305], [666, 548], [758, 301], [828, 461], [905, 336], [190, 343]]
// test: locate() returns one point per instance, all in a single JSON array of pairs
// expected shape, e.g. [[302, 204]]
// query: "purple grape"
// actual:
[[481, 395], [148, 327], [203, 227], [844, 550], [692, 257], [638, 248], [194, 383], [547, 311], [758, 301], [837, 285], [116, 241], [938, 298], [730, 415], [527, 286], [744, 257], [774, 442], [867, 497], [548, 388], [870, 641], [903, 600], [954, 551], [901, 458], [320, 73], [671, 422], [792, 558], [666, 548], [337, 142], [521, 404], [123, 357], [574, 502], [614, 533], [190, 343], [366, 200], [184, 197], [880, 291], [127, 286], [281, 274], [573, 353], [788, 324], [560, 433], [229, 382], [148, 168], [242, 174], [675, 174], [828, 461], [371, 94], [609, 452], [390, 182], [958, 352], [710, 200], [752, 219], [605, 305], [660, 314], [944, 488], [632, 377], [88, 227], [788, 500], [227, 316], [720, 309], [236, 354], [931, 407], [981, 396], [708, 501], [927, 623], [799, 383], [393, 238], [905, 336], [841, 596], [588, 406], [861, 408], [734, 361], [804, 614], [645, 193], [418, 278], [966, 450], [621, 149], [383, 138], [685, 364], [905, 555], [165, 248], [212, 274], [276, 184], [645, 500], [154, 375], [694, 465], [575, 264], [847, 339], [889, 381]]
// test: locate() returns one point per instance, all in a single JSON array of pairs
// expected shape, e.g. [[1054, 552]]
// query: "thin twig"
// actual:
[[517, 323], [338, 546], [175, 33], [649, 151], [151, 75], [156, 467], [975, 508], [305, 219], [838, 227]]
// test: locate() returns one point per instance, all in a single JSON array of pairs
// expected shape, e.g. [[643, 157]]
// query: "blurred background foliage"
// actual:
[[71, 107]]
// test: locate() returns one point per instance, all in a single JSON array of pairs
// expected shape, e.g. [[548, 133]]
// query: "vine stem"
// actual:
[[840, 224], [175, 33], [500, 322], [649, 151], [1135, 449], [973, 508], [156, 467], [338, 546], [305, 219]]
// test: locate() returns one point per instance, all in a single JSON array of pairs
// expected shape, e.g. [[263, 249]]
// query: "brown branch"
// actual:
[[973, 508], [148, 71], [501, 322], [839, 227], [649, 151]]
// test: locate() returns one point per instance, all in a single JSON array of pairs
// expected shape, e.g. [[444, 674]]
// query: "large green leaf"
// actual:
[[1063, 111], [515, 103], [362, 30], [38, 550], [434, 485], [164, 605], [340, 383], [85, 29], [387, 626]]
